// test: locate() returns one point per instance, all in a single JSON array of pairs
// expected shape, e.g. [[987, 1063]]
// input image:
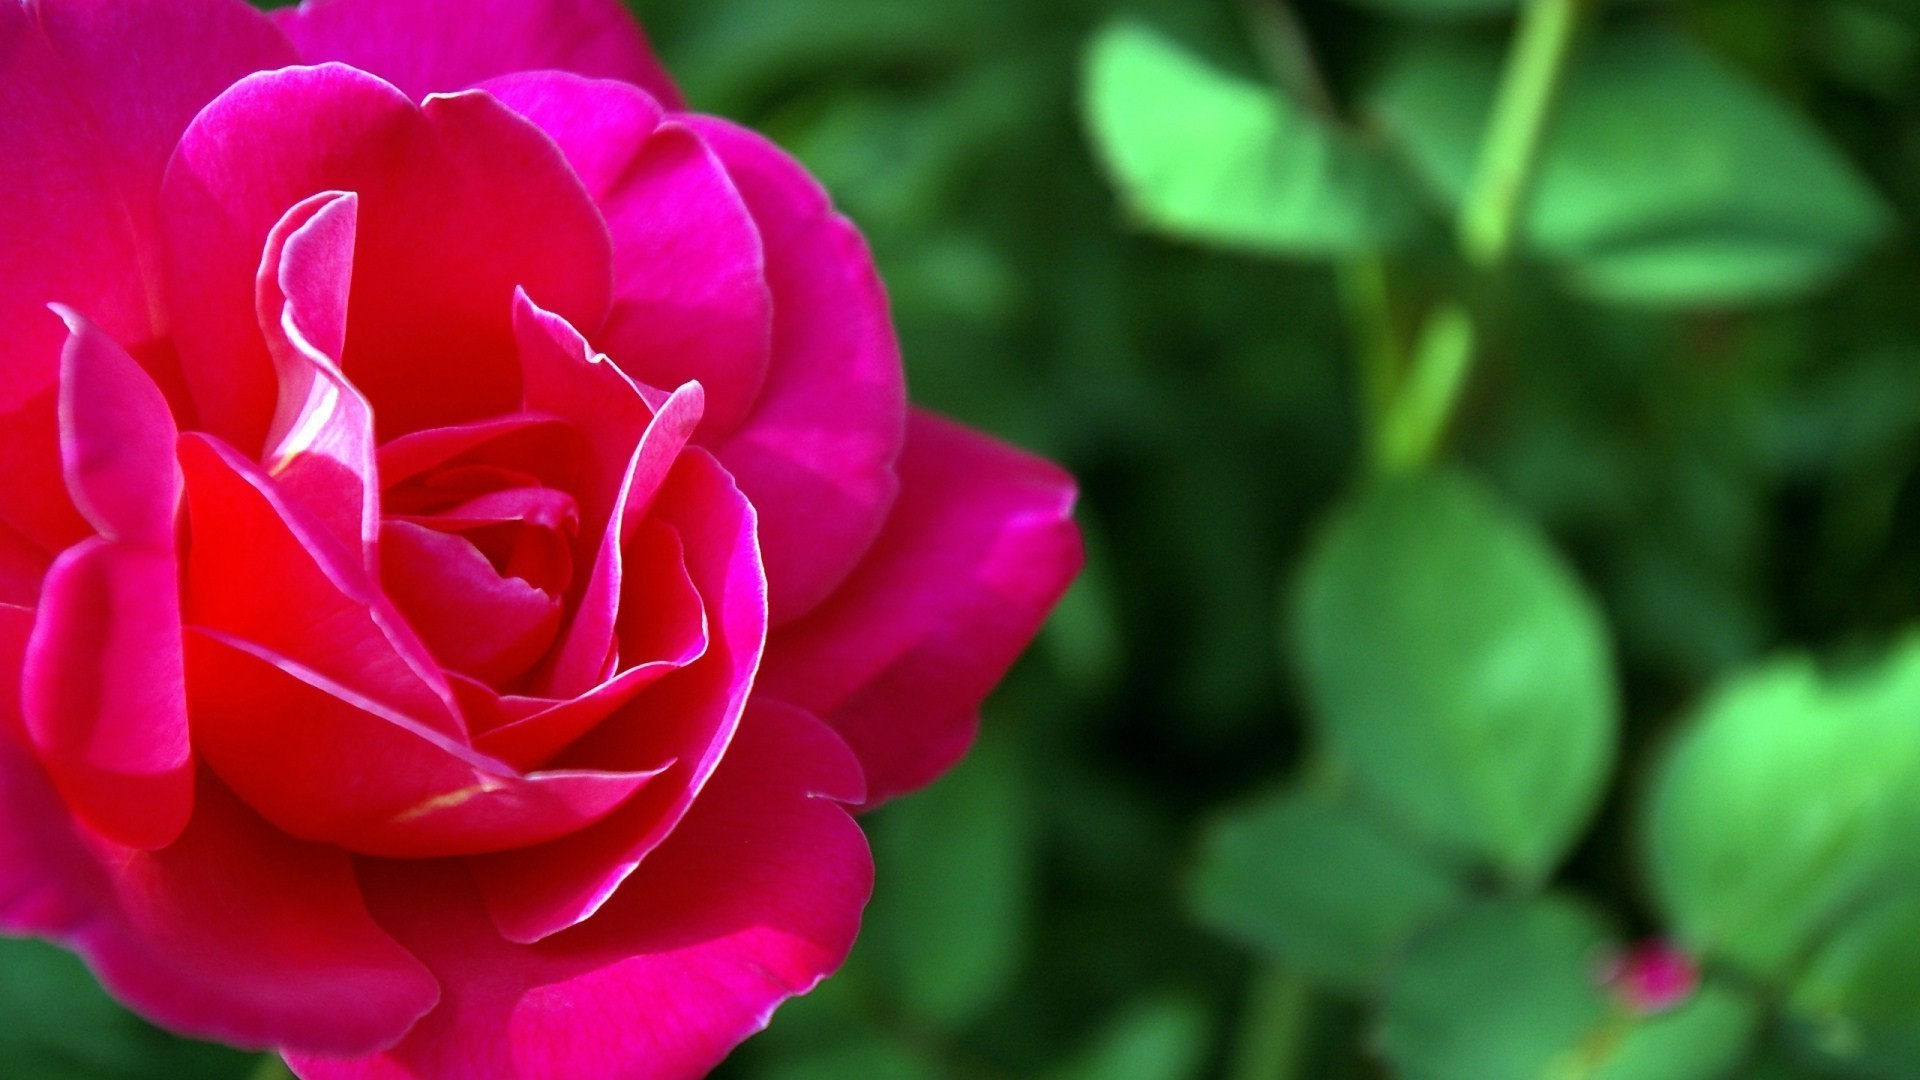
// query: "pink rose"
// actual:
[[463, 543]]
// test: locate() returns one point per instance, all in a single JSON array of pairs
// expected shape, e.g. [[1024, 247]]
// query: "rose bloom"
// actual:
[[464, 548]]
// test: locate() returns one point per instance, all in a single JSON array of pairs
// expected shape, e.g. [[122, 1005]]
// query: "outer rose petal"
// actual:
[[690, 295], [426, 46], [103, 692], [430, 341], [755, 898], [816, 455], [96, 96], [977, 551], [235, 932]]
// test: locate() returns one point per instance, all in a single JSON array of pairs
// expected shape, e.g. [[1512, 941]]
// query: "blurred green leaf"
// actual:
[[60, 1025], [1789, 799], [1858, 1001], [1458, 669], [1668, 178], [1154, 1039], [1207, 155], [1320, 887], [1512, 991], [952, 911]]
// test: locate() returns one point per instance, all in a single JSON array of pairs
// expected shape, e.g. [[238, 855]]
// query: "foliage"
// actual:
[[1500, 468]]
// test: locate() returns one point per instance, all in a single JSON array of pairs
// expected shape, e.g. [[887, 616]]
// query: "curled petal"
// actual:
[[320, 447], [688, 716], [102, 688], [978, 550], [756, 898]]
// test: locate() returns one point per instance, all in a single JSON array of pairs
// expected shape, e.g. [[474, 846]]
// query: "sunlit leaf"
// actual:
[[1204, 154]]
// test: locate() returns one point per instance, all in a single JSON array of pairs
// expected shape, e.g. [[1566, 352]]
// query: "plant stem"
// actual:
[[1369, 311], [1491, 213], [1416, 421], [1273, 1036]]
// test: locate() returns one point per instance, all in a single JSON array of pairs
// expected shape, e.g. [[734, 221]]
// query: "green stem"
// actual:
[[1376, 351], [1496, 198], [1278, 1021], [1414, 424]]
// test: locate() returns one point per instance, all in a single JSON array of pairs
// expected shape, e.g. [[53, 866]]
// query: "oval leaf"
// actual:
[[1458, 670]]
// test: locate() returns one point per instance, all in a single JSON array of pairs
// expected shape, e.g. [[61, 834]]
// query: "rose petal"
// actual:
[[689, 716], [977, 551], [663, 630], [235, 932], [35, 505], [324, 764], [588, 652], [102, 688], [320, 447], [816, 455], [260, 570], [477, 621], [430, 342], [424, 46], [690, 296], [755, 899], [97, 95], [531, 438]]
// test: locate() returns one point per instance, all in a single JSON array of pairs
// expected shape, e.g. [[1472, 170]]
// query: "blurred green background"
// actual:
[[1459, 611]]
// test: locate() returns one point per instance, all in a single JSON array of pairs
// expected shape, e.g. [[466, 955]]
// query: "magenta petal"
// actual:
[[103, 694], [116, 441], [35, 505], [476, 621], [430, 341], [425, 46], [96, 96], [978, 550], [588, 653], [755, 898], [690, 297], [320, 447], [324, 764], [257, 559], [689, 716], [816, 455], [234, 932], [102, 688]]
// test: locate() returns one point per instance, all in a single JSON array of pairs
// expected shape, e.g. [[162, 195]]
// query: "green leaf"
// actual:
[[60, 1025], [1511, 991], [1206, 155], [1320, 887], [1668, 178], [1789, 798], [1458, 670], [951, 911], [1858, 1002]]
